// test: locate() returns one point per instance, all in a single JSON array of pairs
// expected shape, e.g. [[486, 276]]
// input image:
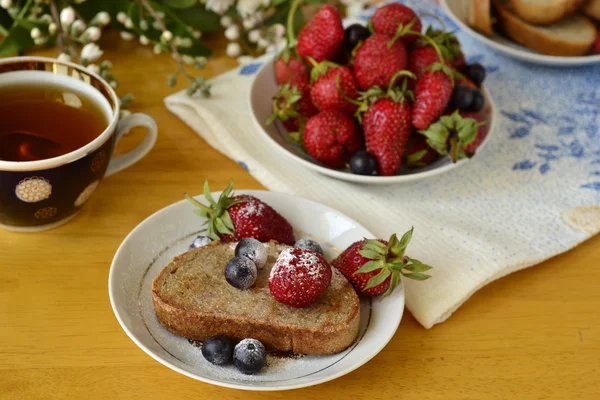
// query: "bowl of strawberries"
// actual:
[[391, 102]]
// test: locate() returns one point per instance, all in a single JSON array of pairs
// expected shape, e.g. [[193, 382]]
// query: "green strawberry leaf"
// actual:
[[378, 279], [404, 241], [394, 282], [221, 228], [226, 218], [208, 195], [201, 212], [415, 158], [417, 276], [417, 266], [370, 254], [369, 267]]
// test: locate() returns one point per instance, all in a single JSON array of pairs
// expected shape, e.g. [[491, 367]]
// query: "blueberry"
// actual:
[[200, 241], [462, 98], [252, 249], [478, 102], [363, 163], [249, 356], [476, 73], [218, 350], [240, 272], [309, 244], [354, 34]]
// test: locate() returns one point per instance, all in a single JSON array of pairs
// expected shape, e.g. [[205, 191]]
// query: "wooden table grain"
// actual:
[[532, 335]]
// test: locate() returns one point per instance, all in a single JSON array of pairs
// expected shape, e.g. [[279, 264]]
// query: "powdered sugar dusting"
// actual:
[[252, 208], [297, 262]]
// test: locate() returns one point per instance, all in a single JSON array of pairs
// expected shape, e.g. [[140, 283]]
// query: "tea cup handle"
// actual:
[[131, 157]]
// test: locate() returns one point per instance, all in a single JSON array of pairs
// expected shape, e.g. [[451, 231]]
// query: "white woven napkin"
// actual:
[[532, 193]]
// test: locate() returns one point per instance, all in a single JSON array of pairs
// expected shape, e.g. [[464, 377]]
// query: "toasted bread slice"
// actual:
[[572, 36], [592, 9], [544, 12], [480, 16], [192, 299]]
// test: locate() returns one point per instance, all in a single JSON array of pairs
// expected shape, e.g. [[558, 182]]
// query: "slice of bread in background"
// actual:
[[572, 36], [543, 12], [192, 299], [592, 9], [480, 15]]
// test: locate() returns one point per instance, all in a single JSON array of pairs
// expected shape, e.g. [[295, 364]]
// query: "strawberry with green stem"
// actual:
[[288, 65], [322, 37], [375, 266], [452, 135], [396, 20], [418, 153], [378, 59], [332, 86], [292, 105]]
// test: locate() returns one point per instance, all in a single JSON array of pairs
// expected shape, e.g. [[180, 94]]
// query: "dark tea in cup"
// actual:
[[41, 121]]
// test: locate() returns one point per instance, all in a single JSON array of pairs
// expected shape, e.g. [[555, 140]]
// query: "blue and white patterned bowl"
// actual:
[[264, 88]]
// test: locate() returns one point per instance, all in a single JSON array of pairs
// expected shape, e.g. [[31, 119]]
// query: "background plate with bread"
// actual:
[[550, 32]]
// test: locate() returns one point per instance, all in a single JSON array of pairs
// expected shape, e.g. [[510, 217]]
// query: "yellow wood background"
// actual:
[[531, 335]]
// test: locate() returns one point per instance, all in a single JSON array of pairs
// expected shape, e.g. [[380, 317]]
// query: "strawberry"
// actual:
[[322, 37], [432, 95], [331, 137], [332, 86], [463, 80], [397, 19], [288, 68], [387, 126], [597, 43], [481, 133], [292, 105], [233, 218], [418, 153], [421, 58], [374, 266], [378, 60], [453, 134], [299, 277]]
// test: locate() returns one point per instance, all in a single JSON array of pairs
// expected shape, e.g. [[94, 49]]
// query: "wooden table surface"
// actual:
[[531, 335]]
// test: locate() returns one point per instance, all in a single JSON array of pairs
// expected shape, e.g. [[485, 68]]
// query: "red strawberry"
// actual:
[[597, 44], [375, 266], [453, 134], [288, 68], [395, 19], [378, 60], [234, 218], [481, 133], [299, 277], [328, 78], [432, 95], [418, 153], [322, 37], [421, 58], [292, 105], [331, 137]]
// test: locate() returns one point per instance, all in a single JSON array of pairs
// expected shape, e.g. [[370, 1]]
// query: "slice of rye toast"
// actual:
[[571, 36], [192, 299], [544, 12]]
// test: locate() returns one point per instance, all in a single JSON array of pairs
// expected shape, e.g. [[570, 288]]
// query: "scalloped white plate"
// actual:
[[169, 232]]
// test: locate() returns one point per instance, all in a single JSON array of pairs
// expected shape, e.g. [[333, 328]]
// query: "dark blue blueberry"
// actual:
[[354, 34], [478, 102], [309, 244], [249, 356], [363, 163], [218, 350], [462, 98], [252, 249], [200, 241], [240, 272], [476, 73]]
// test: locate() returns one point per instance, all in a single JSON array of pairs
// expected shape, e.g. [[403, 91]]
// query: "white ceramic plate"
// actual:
[[457, 11], [264, 88], [169, 232]]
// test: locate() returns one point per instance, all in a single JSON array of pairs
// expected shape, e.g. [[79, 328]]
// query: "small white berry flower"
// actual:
[[114, 84], [93, 33], [144, 25], [6, 3], [233, 49], [219, 6], [226, 21], [128, 23], [35, 33], [245, 59], [67, 16], [121, 17], [64, 57], [232, 33], [186, 42], [249, 22], [157, 49], [144, 40], [254, 36], [248, 7], [126, 35], [263, 43], [91, 52], [196, 34], [78, 26], [279, 30], [189, 60], [52, 28], [103, 18], [166, 36], [94, 68]]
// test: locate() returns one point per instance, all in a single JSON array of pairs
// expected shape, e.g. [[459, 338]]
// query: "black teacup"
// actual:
[[50, 190]]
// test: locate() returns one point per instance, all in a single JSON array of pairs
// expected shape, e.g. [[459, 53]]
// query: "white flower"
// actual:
[[144, 25], [144, 40], [126, 35], [91, 52], [114, 84], [166, 36], [226, 21], [245, 59], [52, 28], [232, 33], [103, 18], [249, 23], [233, 49], [121, 17], [219, 6], [64, 57], [186, 42], [93, 33], [6, 3], [94, 68], [35, 33], [78, 26], [67, 16], [254, 36], [248, 7], [196, 34], [128, 23], [157, 48], [262, 43], [266, 3], [188, 60]]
